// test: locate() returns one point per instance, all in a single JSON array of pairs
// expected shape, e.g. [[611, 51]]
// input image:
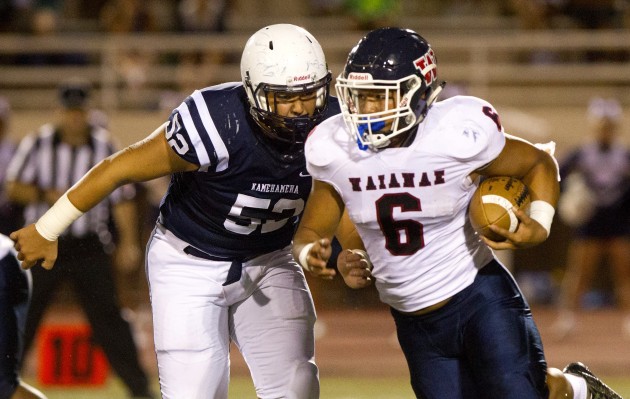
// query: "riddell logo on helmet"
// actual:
[[427, 66], [359, 76], [301, 78]]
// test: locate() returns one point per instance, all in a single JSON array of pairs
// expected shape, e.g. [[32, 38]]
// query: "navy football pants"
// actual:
[[482, 344]]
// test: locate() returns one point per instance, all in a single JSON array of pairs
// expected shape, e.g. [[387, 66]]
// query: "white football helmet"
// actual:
[[284, 58]]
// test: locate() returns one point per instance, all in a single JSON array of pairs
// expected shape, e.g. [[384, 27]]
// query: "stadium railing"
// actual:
[[508, 66]]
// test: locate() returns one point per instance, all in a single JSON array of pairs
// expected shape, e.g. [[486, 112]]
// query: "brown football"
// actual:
[[492, 203]]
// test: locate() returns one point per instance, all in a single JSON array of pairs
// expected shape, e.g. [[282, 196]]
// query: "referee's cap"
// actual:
[[74, 93]]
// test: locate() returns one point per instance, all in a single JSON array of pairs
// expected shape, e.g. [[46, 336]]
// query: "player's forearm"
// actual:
[[321, 215], [347, 234], [542, 180], [146, 160]]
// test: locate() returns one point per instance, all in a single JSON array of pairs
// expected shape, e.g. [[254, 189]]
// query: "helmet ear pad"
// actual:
[[417, 95]]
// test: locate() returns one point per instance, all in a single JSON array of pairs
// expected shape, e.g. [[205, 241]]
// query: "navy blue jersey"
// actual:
[[243, 201], [15, 286]]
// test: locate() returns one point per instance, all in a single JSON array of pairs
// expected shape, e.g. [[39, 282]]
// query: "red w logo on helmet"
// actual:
[[427, 66]]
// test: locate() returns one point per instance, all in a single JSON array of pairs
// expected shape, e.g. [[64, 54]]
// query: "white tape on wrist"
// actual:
[[303, 255], [57, 219], [542, 212], [365, 257]]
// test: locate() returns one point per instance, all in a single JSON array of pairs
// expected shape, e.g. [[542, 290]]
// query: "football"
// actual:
[[492, 203]]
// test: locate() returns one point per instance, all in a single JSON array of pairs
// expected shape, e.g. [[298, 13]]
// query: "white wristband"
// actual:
[[542, 212], [57, 219], [303, 255], [365, 257]]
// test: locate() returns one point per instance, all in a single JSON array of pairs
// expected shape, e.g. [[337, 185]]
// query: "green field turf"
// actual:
[[331, 388]]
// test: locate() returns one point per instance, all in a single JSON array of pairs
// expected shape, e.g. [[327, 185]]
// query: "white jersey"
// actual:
[[410, 204]]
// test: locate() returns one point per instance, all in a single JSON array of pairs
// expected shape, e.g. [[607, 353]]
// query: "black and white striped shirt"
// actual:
[[44, 160]]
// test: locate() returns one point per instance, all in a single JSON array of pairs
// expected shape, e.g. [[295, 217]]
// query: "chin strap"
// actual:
[[435, 93]]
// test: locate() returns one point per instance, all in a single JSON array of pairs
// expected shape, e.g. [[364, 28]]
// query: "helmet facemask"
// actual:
[[401, 99], [286, 131]]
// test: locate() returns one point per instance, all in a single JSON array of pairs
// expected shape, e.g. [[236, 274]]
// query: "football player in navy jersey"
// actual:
[[15, 289], [404, 167], [219, 263]]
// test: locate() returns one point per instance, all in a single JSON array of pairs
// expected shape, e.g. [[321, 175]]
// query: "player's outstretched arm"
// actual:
[[312, 240], [145, 160]]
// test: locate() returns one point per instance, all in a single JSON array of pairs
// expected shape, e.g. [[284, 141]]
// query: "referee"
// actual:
[[45, 165]]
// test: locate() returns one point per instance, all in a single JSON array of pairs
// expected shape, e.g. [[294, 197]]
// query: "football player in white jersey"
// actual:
[[219, 263], [404, 167]]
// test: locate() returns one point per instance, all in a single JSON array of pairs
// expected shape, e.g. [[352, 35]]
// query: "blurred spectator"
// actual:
[[128, 17], [10, 213], [14, 15], [597, 14], [371, 14], [326, 7], [585, 14], [202, 15], [45, 165], [196, 69], [596, 203], [580, 14], [536, 14], [44, 22]]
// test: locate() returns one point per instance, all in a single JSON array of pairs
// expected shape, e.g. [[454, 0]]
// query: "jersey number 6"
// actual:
[[402, 237]]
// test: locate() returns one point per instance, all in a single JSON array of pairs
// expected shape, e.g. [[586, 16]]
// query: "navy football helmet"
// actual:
[[284, 60], [400, 67]]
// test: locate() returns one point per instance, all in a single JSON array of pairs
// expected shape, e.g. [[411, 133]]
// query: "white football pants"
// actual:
[[269, 314]]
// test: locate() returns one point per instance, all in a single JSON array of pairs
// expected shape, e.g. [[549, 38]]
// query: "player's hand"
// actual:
[[528, 234], [32, 248], [317, 259], [355, 269]]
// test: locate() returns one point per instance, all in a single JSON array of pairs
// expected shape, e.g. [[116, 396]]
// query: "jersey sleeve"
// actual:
[[472, 133], [322, 152], [192, 134]]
